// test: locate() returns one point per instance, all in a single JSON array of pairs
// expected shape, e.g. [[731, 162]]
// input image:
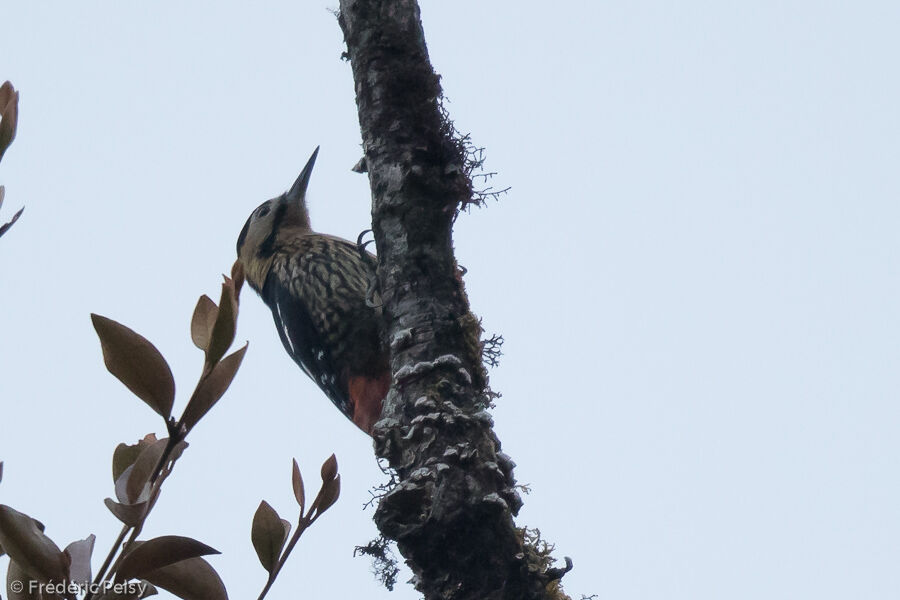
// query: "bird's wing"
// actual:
[[303, 341]]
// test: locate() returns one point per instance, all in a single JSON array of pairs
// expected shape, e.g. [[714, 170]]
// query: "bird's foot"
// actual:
[[373, 298]]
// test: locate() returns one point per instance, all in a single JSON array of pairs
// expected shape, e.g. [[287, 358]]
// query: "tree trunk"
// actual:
[[451, 513]]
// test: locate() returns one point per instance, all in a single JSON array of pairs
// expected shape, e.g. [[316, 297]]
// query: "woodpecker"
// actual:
[[318, 288]]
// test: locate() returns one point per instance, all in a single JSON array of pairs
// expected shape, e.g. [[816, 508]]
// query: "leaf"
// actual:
[[28, 546], [19, 584], [6, 92], [211, 388], [79, 554], [15, 218], [177, 451], [191, 579], [237, 274], [1, 470], [329, 494], [9, 111], [129, 514], [158, 553], [150, 589], [136, 363], [329, 468], [297, 483], [143, 468], [203, 320], [268, 535], [223, 330], [125, 454], [129, 590], [122, 484]]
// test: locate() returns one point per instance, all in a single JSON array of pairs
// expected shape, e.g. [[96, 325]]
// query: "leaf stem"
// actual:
[[119, 547], [302, 526]]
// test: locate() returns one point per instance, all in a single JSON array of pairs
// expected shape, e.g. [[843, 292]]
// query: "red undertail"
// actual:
[[366, 397]]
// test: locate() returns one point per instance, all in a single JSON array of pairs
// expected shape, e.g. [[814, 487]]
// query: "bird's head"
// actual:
[[270, 224]]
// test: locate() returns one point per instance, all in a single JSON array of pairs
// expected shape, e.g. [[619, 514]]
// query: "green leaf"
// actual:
[[136, 363]]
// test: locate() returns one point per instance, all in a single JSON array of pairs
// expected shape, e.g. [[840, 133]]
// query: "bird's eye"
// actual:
[[263, 211]]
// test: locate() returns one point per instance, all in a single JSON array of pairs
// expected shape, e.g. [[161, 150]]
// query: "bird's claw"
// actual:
[[372, 293], [372, 289], [359, 239]]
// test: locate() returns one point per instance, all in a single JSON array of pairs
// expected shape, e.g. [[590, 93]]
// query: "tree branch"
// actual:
[[452, 510]]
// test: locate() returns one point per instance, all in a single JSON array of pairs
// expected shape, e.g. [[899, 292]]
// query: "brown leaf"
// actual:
[[142, 470], [158, 553], [329, 468], [79, 554], [129, 514], [9, 111], [125, 454], [177, 451], [237, 274], [150, 589], [15, 218], [130, 590], [6, 92], [330, 492], [24, 587], [29, 547], [223, 330], [137, 364], [297, 483], [122, 484], [191, 579], [268, 535], [203, 320], [211, 388]]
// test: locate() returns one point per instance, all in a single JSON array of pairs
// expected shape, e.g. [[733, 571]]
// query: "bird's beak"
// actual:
[[298, 190]]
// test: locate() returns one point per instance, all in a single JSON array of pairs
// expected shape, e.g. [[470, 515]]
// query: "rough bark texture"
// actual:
[[452, 511]]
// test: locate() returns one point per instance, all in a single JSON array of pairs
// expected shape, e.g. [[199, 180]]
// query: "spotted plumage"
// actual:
[[316, 286]]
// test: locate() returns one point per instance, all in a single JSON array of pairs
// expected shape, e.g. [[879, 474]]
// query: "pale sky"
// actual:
[[696, 274]]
